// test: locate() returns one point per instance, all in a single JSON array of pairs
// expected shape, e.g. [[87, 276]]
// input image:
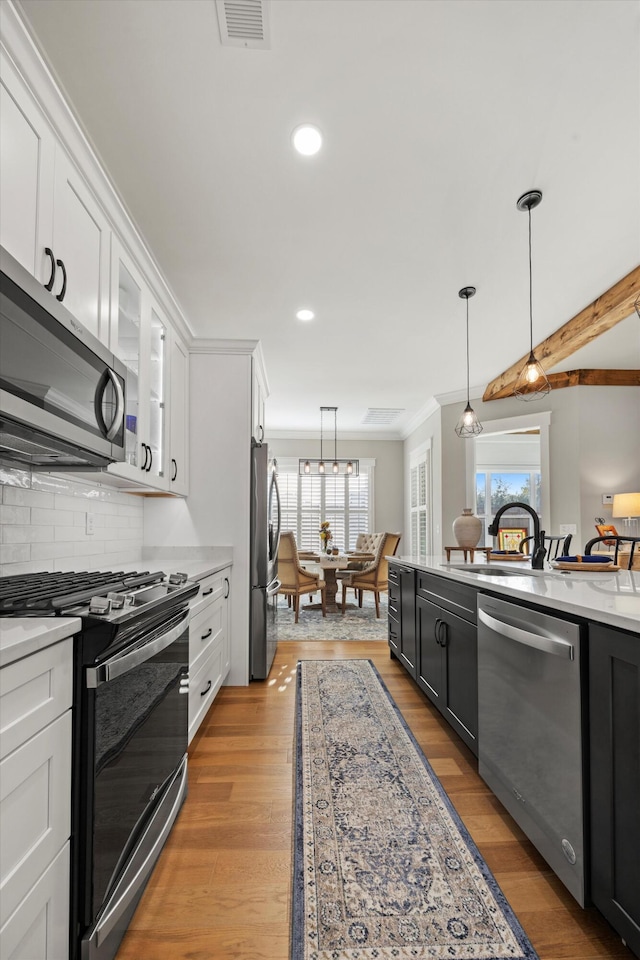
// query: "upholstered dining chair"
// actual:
[[375, 575], [556, 546], [295, 581]]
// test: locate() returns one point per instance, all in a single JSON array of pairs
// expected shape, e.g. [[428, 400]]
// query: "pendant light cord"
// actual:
[[468, 400], [335, 435], [530, 290]]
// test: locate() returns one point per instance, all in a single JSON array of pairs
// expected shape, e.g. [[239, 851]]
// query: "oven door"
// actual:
[[136, 705]]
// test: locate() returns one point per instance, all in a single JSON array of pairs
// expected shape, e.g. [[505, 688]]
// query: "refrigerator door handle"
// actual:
[[274, 539]]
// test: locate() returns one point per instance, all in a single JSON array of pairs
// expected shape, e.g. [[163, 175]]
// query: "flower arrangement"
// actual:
[[325, 535]]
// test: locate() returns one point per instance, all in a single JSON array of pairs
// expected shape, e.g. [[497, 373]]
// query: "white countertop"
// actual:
[[612, 598], [196, 562], [22, 636]]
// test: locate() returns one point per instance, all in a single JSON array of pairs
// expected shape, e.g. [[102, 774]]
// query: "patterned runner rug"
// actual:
[[383, 867]]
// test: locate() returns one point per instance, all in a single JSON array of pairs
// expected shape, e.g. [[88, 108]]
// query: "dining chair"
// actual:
[[616, 542], [375, 575], [556, 546], [295, 581]]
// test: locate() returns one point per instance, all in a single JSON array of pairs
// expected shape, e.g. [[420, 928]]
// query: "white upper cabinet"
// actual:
[[49, 220], [179, 426], [81, 245], [62, 219], [27, 153]]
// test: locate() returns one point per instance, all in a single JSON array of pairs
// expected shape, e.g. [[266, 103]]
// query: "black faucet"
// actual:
[[539, 553]]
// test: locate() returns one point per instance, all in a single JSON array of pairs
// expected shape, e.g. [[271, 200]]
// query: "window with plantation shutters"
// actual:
[[420, 500], [345, 501]]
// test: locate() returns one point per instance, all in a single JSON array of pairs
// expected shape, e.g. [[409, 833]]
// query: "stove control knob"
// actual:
[[99, 605], [178, 578], [116, 599]]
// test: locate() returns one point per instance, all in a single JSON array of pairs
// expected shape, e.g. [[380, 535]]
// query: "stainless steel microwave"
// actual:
[[62, 392]]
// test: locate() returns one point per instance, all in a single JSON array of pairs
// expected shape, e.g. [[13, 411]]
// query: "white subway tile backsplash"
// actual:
[[19, 533], [59, 518], [50, 551], [43, 524], [20, 497], [10, 514], [14, 552]]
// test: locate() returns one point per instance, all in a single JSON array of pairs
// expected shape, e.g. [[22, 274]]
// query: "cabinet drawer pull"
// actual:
[[150, 458], [205, 593], [175, 469], [206, 689], [60, 296], [49, 253], [143, 466], [207, 634], [226, 580]]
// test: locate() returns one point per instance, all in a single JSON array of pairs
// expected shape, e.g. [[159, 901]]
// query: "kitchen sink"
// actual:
[[493, 570], [490, 570]]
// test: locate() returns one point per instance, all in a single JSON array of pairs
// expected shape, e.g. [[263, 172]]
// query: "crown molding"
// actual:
[[247, 347]]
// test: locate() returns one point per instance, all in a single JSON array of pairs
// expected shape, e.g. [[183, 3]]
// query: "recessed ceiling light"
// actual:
[[307, 139], [305, 314]]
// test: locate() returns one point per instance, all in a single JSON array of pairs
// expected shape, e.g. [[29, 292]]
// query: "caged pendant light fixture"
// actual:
[[350, 468], [468, 425], [532, 383]]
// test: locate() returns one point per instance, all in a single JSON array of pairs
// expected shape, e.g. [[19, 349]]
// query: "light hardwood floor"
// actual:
[[222, 887]]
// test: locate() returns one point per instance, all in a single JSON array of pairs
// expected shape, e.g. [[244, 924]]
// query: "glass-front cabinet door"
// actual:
[[139, 338], [157, 394], [127, 348], [128, 295]]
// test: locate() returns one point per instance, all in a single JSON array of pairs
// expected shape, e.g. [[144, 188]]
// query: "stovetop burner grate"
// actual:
[[49, 593]]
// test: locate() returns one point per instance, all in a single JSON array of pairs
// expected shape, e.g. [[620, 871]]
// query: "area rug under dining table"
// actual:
[[358, 623], [384, 869]]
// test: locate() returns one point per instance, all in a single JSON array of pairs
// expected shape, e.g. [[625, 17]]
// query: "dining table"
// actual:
[[330, 564]]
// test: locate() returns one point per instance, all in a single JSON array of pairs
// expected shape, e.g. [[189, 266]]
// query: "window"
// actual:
[[495, 488], [420, 500], [346, 502]]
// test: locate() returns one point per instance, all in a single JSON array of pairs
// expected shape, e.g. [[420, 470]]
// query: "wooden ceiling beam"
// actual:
[[606, 311], [592, 378]]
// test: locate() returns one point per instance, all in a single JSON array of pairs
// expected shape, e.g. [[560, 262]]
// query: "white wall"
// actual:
[[388, 489], [43, 524], [594, 448]]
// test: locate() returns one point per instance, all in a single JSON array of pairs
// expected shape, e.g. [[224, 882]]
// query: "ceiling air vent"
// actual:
[[382, 416], [244, 23]]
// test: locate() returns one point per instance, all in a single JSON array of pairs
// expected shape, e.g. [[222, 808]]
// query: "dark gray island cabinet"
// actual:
[[402, 616], [614, 739], [432, 631]]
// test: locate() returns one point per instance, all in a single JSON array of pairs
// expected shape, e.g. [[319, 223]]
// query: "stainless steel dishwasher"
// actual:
[[530, 729]]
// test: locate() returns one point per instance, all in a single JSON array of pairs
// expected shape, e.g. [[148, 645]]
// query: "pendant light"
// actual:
[[350, 468], [468, 425], [532, 383]]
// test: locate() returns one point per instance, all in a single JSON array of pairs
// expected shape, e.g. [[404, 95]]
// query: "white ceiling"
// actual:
[[437, 115]]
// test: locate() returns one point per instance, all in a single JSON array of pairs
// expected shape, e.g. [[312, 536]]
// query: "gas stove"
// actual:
[[114, 596]]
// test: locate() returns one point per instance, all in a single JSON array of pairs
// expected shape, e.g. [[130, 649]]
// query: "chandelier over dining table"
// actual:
[[338, 466]]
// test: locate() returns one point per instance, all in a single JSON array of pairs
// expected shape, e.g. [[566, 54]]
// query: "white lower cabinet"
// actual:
[[35, 804], [39, 928], [209, 651]]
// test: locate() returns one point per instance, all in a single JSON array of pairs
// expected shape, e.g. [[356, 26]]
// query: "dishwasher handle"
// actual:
[[557, 647]]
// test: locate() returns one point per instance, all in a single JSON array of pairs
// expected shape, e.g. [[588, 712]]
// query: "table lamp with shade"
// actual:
[[627, 505]]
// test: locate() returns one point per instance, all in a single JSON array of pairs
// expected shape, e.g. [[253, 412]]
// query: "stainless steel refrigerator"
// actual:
[[265, 538]]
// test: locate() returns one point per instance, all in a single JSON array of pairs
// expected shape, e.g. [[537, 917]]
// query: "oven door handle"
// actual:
[[122, 663]]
